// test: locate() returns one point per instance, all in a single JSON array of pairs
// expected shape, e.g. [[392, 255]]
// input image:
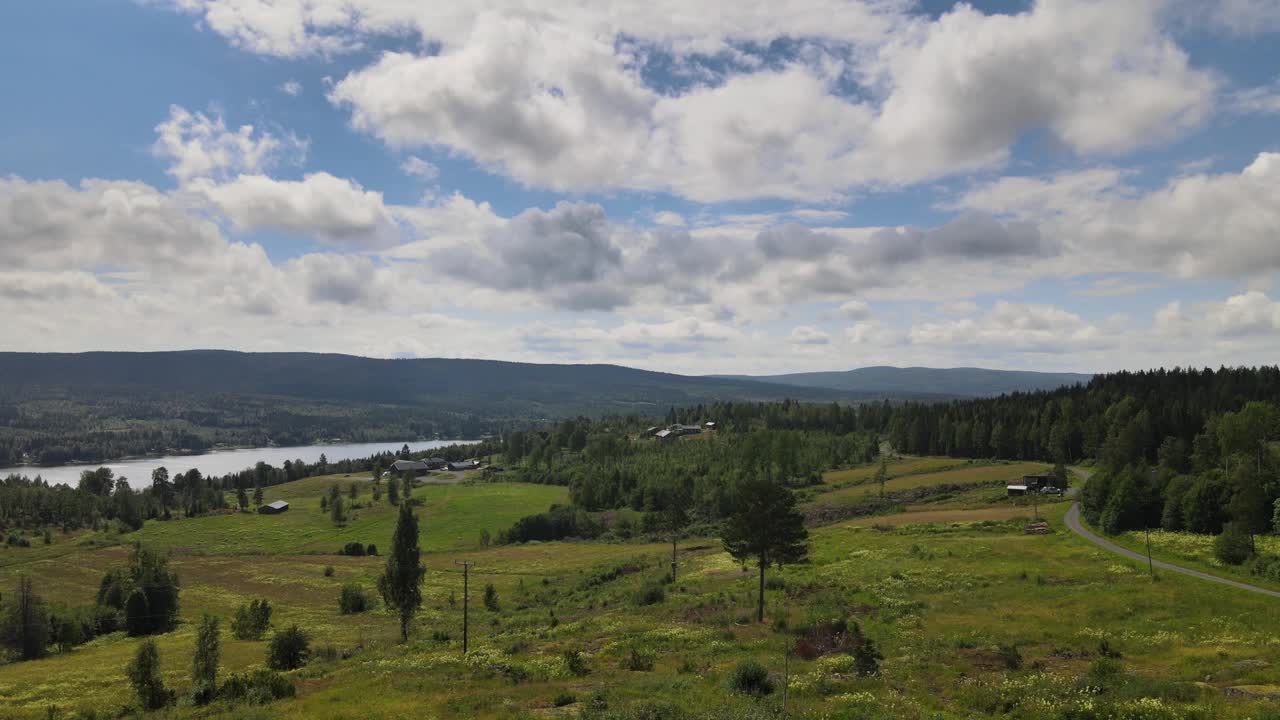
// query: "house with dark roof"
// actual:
[[274, 508], [400, 467]]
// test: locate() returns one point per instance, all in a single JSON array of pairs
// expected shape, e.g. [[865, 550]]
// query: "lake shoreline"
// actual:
[[226, 460], [176, 452]]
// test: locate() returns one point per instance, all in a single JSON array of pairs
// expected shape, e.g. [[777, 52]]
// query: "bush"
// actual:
[[256, 688], [290, 649], [652, 594], [1233, 546], [353, 549], [252, 620], [328, 571], [565, 698], [491, 598], [640, 661], [866, 656], [576, 663], [1010, 656], [17, 540], [751, 678], [371, 550], [352, 600]]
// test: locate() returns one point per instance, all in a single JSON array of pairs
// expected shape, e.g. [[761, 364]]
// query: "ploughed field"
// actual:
[[973, 616]]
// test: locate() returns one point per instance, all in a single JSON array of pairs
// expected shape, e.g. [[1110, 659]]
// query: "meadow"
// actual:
[[917, 474], [973, 617]]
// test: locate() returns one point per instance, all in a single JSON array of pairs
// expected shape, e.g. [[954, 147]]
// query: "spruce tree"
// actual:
[[765, 526], [401, 583], [25, 626]]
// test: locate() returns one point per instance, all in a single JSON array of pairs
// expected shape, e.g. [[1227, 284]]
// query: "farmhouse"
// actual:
[[464, 465], [400, 467], [274, 508]]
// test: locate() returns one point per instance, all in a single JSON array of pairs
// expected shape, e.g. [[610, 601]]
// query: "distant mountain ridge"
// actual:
[[946, 382], [481, 386]]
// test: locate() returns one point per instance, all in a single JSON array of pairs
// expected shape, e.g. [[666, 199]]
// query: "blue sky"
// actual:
[[748, 188]]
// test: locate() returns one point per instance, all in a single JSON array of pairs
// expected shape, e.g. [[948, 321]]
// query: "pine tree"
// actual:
[[257, 496], [401, 583], [242, 499], [765, 526], [393, 491]]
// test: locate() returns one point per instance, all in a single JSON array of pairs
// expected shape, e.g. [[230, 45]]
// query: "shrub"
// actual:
[[328, 571], [866, 656], [17, 540], [48, 537], [1010, 656], [576, 663], [1233, 546], [353, 549], [252, 620], [640, 661], [256, 688], [371, 550], [651, 594], [491, 598], [751, 678], [565, 698], [352, 600], [290, 649]]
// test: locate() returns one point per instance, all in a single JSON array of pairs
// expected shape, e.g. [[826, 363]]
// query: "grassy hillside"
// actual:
[[945, 594]]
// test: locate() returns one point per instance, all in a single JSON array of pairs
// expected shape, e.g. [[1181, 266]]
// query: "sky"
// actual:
[[711, 187]]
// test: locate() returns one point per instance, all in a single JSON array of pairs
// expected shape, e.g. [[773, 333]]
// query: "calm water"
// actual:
[[221, 462]]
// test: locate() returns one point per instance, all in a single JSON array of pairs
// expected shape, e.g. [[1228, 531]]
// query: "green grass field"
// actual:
[[898, 468], [964, 474], [944, 593]]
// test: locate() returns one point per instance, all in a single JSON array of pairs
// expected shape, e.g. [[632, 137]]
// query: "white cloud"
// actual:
[[872, 95], [1248, 314], [1263, 100], [1197, 225], [292, 88], [320, 206], [417, 167], [199, 146], [809, 335], [668, 218], [855, 310], [1014, 327]]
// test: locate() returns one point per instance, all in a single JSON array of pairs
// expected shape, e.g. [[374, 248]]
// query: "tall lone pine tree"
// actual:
[[765, 526]]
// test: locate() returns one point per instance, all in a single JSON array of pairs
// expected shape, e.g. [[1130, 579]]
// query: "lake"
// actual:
[[221, 462]]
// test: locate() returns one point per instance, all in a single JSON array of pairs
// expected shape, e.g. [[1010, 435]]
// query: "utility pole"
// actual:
[[786, 673], [1150, 565], [673, 558], [466, 573]]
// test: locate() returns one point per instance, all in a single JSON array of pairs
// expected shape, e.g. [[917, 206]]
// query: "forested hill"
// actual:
[[457, 383], [55, 408], [943, 382]]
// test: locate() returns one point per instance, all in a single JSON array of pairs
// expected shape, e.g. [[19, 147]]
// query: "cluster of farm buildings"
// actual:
[[671, 432], [422, 467]]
